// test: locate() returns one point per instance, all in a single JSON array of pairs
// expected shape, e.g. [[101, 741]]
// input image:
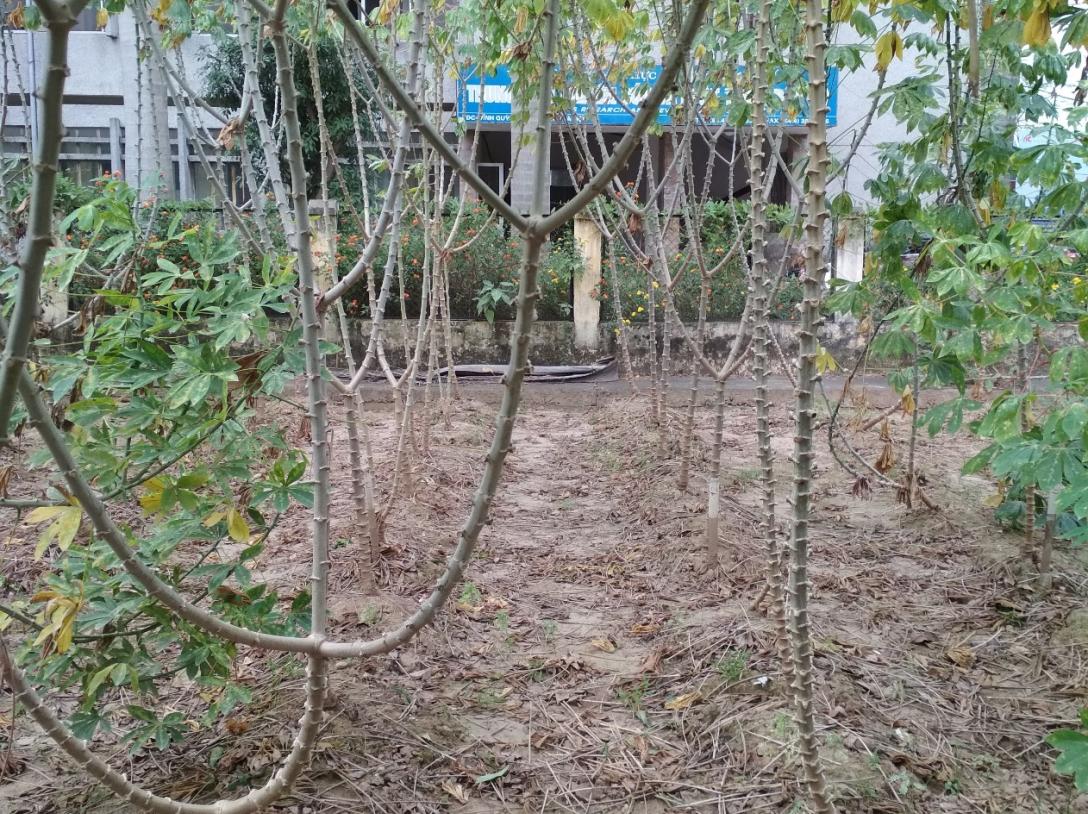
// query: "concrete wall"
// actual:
[[553, 343]]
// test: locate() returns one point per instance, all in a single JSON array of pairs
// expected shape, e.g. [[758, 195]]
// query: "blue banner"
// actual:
[[490, 101]]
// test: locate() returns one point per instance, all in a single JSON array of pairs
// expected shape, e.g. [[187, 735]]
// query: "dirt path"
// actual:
[[592, 665], [589, 663]]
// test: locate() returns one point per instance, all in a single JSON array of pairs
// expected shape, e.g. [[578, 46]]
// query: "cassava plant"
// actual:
[[816, 175], [191, 294]]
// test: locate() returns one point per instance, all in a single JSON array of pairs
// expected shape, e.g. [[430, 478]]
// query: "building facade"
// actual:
[[119, 118]]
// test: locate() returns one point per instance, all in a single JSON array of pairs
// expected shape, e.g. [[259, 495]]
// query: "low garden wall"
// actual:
[[555, 343]]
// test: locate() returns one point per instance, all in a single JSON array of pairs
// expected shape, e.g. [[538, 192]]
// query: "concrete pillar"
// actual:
[[672, 193], [850, 249], [466, 154], [116, 162], [587, 308], [185, 176], [522, 158], [323, 224], [54, 302], [155, 169]]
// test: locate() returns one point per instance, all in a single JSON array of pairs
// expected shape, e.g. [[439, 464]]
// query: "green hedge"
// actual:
[[487, 259], [482, 255], [727, 289]]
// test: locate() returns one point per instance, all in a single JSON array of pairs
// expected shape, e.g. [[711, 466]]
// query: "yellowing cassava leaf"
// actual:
[[906, 401], [43, 513], [984, 211], [158, 14], [888, 47], [1037, 27], [825, 361], [386, 10], [213, 518], [619, 25], [843, 10], [237, 527], [151, 499], [58, 623], [101, 18], [65, 631], [62, 530]]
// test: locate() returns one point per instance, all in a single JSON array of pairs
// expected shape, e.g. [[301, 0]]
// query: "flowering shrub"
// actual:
[[482, 256], [727, 289]]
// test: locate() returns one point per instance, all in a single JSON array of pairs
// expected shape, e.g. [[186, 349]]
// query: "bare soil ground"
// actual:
[[592, 663]]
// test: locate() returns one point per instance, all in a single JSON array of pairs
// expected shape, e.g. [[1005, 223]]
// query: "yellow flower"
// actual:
[[1077, 281], [656, 285], [639, 311], [640, 293], [1053, 286]]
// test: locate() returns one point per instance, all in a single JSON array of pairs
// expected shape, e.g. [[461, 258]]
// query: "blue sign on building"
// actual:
[[490, 101]]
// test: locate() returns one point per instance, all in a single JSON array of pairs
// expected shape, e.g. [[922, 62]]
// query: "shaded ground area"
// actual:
[[592, 663]]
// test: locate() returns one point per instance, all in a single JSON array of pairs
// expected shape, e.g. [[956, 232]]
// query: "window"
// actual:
[[15, 141], [84, 171]]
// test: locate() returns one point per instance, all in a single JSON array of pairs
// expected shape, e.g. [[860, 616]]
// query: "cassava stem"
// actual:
[[761, 344], [807, 376], [60, 17]]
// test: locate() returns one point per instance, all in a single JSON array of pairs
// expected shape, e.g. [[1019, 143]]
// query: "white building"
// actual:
[[115, 112], [114, 108]]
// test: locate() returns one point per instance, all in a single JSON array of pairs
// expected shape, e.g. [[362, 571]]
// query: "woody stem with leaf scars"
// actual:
[[60, 18], [807, 377], [761, 343]]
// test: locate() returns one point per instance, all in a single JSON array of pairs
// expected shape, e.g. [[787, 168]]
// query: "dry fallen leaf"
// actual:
[[5, 479], [886, 460], [682, 701], [652, 662], [455, 790], [607, 645], [540, 739], [961, 655], [906, 401]]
